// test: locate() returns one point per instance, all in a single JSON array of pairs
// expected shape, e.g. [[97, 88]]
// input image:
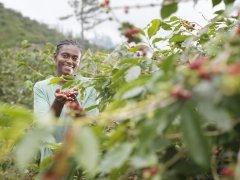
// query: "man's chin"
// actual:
[[67, 72]]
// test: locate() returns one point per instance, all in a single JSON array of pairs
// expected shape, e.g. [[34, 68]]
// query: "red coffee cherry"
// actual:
[[198, 63], [68, 94], [58, 91], [227, 171], [150, 172], [126, 10], [234, 69], [204, 73], [180, 93]]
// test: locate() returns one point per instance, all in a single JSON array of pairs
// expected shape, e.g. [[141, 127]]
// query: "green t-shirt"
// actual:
[[44, 96]]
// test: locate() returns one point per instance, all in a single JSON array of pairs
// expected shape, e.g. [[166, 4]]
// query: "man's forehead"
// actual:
[[70, 49]]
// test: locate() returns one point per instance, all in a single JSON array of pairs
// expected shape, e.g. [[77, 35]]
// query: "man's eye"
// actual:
[[75, 58], [65, 56]]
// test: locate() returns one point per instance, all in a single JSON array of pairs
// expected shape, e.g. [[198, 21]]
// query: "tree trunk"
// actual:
[[82, 21]]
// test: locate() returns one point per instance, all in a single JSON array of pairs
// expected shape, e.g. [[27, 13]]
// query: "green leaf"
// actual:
[[91, 107], [166, 26], [168, 64], [177, 27], [136, 48], [118, 73], [227, 2], [168, 9], [149, 130], [15, 117], [88, 150], [31, 143], [140, 82], [178, 38], [68, 84], [155, 26], [133, 73], [216, 116], [169, 115], [155, 40], [55, 80], [161, 144], [204, 38], [193, 137], [46, 162], [174, 18], [68, 77], [129, 61], [144, 160], [216, 2], [116, 157], [219, 12], [133, 92]]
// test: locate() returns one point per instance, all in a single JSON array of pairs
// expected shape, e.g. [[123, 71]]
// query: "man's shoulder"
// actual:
[[43, 83]]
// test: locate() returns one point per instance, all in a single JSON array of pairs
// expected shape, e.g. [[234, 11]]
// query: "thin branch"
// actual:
[[95, 24], [173, 160], [138, 6], [213, 168], [203, 16]]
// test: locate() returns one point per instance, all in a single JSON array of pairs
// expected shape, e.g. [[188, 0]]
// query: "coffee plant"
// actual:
[[168, 109]]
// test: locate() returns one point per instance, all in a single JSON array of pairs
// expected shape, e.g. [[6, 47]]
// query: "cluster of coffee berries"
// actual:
[[105, 3], [227, 171], [68, 93], [126, 10], [234, 69], [142, 51], [199, 66], [132, 34], [181, 93], [150, 172], [188, 25]]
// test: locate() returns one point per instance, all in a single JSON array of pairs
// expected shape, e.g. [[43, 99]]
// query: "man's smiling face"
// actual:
[[67, 59]]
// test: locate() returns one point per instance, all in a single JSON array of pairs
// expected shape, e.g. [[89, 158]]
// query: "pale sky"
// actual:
[[49, 11]]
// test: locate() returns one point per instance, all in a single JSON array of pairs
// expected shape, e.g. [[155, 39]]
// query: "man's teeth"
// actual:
[[69, 66]]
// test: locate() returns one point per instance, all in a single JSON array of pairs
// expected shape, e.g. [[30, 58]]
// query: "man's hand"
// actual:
[[61, 97], [64, 96]]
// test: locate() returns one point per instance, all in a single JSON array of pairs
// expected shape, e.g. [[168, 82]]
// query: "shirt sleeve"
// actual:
[[41, 105]]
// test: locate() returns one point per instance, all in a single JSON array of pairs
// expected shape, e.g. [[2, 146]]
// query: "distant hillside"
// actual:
[[14, 28]]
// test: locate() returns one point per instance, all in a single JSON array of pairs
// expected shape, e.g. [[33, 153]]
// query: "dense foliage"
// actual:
[[14, 28], [20, 68], [169, 109], [25, 57]]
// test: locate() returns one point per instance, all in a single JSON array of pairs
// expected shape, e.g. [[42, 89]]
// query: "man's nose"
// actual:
[[70, 60]]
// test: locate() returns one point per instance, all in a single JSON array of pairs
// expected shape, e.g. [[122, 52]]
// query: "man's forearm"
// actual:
[[57, 107]]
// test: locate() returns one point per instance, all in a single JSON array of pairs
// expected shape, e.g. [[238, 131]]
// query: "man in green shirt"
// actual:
[[48, 98]]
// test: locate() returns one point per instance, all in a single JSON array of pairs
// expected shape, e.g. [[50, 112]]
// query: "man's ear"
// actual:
[[55, 57]]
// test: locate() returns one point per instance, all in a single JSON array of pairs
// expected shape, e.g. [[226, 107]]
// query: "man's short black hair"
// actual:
[[67, 42]]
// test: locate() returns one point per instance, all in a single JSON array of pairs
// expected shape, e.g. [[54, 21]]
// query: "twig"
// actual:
[[138, 6], [203, 16], [213, 168], [173, 160]]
